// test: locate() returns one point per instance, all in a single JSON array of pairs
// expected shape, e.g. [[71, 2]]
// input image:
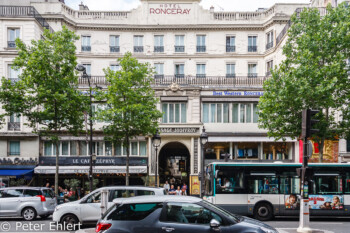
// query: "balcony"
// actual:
[[252, 48], [201, 49], [159, 49], [269, 45], [230, 75], [268, 73], [138, 49], [114, 49], [252, 80], [85, 48], [158, 76], [230, 49], [11, 44], [200, 75], [252, 75], [14, 126], [179, 49]]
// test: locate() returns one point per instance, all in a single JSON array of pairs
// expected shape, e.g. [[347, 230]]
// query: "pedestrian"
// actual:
[[172, 190], [178, 191], [184, 189], [47, 185], [60, 191], [166, 187]]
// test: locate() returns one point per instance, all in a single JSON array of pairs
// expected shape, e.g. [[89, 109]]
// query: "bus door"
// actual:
[[289, 194]]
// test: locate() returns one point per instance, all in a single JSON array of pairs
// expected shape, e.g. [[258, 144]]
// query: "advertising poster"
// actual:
[[292, 202], [195, 188], [326, 202]]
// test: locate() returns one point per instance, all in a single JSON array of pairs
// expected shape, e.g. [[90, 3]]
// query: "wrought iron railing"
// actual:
[[269, 45], [138, 49], [114, 49], [14, 126], [252, 48], [230, 48], [11, 44], [86, 48], [179, 49], [158, 49], [201, 49]]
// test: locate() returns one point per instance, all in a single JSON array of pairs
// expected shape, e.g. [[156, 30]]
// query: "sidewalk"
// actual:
[[294, 230]]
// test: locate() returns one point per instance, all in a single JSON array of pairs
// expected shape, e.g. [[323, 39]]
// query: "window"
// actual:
[[269, 40], [179, 70], [158, 44], [108, 148], [269, 67], [144, 192], [114, 44], [13, 193], [230, 180], [244, 113], [201, 48], [14, 122], [174, 112], [120, 193], [86, 43], [97, 148], [88, 68], [230, 70], [159, 69], [48, 193], [260, 183], [180, 44], [200, 71], [94, 198], [13, 73], [138, 44], [133, 212], [252, 70], [31, 192], [290, 184], [328, 184], [114, 67], [347, 145], [215, 113], [252, 47], [66, 148], [136, 149], [14, 148], [230, 44], [190, 213], [12, 35]]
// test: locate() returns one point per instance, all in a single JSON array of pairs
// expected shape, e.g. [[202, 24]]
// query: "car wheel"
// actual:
[[44, 216], [29, 214], [263, 212], [70, 219]]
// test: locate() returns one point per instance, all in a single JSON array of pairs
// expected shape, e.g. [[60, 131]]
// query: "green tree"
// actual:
[[314, 74], [131, 104], [46, 93]]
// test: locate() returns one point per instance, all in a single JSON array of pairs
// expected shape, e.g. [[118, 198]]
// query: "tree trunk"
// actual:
[[127, 160], [57, 165]]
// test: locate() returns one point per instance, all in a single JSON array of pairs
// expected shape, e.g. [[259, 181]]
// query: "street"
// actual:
[[283, 225]]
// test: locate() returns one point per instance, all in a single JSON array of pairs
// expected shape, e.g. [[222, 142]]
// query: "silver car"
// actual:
[[27, 202]]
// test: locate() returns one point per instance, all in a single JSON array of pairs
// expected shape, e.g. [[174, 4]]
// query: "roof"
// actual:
[[147, 199]]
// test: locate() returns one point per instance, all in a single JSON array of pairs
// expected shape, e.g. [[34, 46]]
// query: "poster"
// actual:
[[195, 188], [326, 202], [292, 202], [330, 152]]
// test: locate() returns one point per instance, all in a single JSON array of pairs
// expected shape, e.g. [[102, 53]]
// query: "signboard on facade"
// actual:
[[232, 93], [85, 160], [179, 130], [169, 9]]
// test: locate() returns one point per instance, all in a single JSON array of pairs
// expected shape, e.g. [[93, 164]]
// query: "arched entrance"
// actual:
[[174, 164]]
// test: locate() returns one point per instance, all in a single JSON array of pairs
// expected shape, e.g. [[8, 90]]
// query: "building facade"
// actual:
[[210, 67]]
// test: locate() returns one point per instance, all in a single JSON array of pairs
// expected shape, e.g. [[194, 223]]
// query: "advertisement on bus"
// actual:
[[326, 202], [292, 202]]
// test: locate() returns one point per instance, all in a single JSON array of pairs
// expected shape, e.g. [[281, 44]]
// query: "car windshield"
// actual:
[[235, 218]]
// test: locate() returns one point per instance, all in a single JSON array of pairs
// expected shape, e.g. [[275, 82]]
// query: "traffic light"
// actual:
[[308, 122]]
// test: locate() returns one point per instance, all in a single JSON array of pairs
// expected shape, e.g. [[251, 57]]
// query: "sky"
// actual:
[[227, 5]]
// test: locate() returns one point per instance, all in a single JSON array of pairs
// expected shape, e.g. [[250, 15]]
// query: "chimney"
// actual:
[[211, 9], [83, 7]]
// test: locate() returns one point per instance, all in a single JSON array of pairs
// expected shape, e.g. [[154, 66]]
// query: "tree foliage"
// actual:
[[131, 104], [46, 93], [314, 74]]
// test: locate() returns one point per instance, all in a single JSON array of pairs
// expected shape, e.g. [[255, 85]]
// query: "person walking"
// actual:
[[166, 187]]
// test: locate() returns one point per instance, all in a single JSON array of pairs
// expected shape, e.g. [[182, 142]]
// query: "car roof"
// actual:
[[132, 187], [24, 187], [151, 198]]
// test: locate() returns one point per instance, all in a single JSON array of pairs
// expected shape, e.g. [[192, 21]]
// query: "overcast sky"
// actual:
[[227, 5]]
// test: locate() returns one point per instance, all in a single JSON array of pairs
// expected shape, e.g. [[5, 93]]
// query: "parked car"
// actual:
[[176, 214], [87, 210], [28, 202]]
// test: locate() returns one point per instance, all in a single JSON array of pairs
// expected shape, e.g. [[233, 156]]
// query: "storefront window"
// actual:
[[347, 183], [276, 150], [216, 150], [248, 150]]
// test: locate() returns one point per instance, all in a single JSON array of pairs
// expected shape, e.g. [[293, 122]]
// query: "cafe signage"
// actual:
[[85, 160]]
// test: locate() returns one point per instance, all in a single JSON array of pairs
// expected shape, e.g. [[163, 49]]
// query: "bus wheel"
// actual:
[[263, 212]]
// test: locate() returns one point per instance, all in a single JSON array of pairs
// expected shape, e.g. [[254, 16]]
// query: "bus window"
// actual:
[[229, 181], [290, 185], [328, 184], [263, 185], [347, 183]]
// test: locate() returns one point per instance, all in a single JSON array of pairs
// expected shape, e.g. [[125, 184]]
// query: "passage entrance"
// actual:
[[174, 164]]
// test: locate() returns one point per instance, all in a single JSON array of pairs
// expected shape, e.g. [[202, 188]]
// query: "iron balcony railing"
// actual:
[[230, 75], [201, 49], [158, 76], [190, 80], [269, 45], [86, 48], [138, 49], [252, 75], [286, 27], [230, 48], [24, 11], [114, 49], [14, 126], [11, 44], [252, 48], [158, 49], [179, 49]]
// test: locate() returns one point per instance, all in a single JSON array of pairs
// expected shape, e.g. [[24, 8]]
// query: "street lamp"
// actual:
[[204, 139], [82, 68], [156, 143]]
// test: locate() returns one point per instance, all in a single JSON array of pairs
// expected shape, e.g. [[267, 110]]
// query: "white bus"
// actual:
[[265, 190]]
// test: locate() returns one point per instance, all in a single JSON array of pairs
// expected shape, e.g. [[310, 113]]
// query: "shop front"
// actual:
[[16, 171]]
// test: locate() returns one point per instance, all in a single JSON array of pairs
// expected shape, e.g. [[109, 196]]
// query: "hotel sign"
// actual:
[[169, 9], [232, 93]]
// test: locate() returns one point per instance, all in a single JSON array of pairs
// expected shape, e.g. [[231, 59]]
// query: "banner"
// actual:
[[292, 202], [326, 202]]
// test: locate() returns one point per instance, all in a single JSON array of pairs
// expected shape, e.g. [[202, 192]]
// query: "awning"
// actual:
[[85, 169], [246, 139], [27, 174]]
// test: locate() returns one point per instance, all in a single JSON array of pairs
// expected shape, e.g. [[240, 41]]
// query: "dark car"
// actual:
[[176, 214]]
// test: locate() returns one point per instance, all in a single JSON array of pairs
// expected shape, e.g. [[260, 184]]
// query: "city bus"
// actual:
[[266, 190]]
